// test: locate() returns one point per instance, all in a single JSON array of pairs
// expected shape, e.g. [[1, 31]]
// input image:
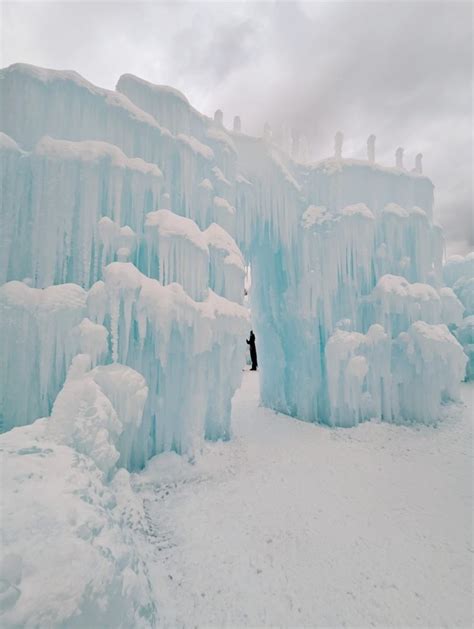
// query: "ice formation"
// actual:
[[176, 343], [127, 221], [458, 273], [69, 538]]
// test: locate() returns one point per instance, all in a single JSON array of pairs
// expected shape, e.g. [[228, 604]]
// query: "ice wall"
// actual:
[[84, 185], [37, 344], [372, 376], [168, 195], [177, 251], [180, 346], [54, 200], [458, 273], [165, 104], [226, 264]]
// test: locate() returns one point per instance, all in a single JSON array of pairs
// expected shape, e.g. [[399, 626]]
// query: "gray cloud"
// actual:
[[401, 70]]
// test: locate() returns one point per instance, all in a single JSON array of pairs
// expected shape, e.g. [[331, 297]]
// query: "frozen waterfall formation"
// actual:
[[124, 215]]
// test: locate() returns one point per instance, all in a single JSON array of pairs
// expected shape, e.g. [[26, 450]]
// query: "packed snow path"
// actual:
[[297, 524]]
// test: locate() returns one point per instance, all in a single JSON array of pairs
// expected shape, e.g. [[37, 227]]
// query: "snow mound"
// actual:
[[68, 555]]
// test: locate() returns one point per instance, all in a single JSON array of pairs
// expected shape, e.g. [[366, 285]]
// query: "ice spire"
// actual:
[[219, 117], [267, 132], [418, 163], [371, 148], [399, 157], [338, 140], [237, 124]]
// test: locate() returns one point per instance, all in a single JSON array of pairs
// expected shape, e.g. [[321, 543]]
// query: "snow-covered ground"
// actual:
[[292, 524]]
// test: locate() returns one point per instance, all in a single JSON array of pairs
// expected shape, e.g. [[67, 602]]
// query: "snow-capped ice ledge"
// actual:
[[123, 220]]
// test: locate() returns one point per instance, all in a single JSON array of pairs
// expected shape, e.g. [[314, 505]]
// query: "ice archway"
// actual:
[[126, 219]]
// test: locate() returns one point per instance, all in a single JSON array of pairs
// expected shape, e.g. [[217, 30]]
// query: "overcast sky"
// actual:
[[401, 70]]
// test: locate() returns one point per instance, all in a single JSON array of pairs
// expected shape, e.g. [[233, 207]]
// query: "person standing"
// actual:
[[253, 351]]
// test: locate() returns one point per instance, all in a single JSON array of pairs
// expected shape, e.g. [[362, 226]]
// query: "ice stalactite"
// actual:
[[457, 267], [176, 343], [397, 304], [177, 251], [37, 343], [226, 269], [92, 183], [465, 335], [179, 345], [165, 104], [372, 376]]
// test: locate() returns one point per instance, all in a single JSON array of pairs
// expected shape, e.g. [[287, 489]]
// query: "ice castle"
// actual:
[[126, 223]]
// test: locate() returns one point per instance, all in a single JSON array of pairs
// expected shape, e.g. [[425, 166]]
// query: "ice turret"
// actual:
[[237, 124], [219, 118], [338, 141], [399, 157], [418, 163], [371, 148]]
